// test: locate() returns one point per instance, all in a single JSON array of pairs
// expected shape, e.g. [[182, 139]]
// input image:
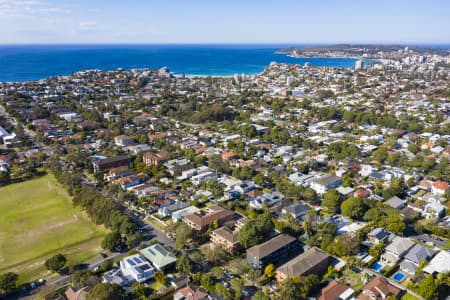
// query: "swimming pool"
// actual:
[[399, 276], [376, 266]]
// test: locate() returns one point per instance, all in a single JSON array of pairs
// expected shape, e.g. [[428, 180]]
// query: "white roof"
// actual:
[[347, 293], [353, 227], [439, 264]]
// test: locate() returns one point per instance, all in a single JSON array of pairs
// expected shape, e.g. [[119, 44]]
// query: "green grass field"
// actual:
[[37, 220]]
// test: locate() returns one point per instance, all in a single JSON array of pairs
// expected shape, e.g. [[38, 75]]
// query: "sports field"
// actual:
[[37, 220]]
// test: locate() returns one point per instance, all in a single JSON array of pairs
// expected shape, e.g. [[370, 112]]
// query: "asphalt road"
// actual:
[[153, 232], [61, 281]]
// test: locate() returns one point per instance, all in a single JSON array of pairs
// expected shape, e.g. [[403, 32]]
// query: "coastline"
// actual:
[[31, 63]]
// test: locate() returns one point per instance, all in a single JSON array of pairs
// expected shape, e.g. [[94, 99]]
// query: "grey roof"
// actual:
[[419, 252], [326, 179], [396, 202], [399, 245], [272, 245], [304, 263], [408, 266], [297, 208], [376, 175], [379, 233]]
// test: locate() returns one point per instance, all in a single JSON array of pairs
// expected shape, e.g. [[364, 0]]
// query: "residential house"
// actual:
[[179, 214], [179, 168], [137, 268], [116, 276], [379, 288], [166, 211], [414, 257], [144, 189], [228, 156], [191, 293], [396, 203], [439, 264], [123, 140], [200, 178], [325, 182], [159, 256], [362, 193], [335, 291], [245, 187], [136, 149], [345, 191], [296, 210], [276, 251], [215, 213], [433, 209], [130, 181], [73, 294], [439, 187], [226, 238], [118, 172], [268, 199], [366, 170], [313, 261], [396, 250], [253, 194], [379, 235]]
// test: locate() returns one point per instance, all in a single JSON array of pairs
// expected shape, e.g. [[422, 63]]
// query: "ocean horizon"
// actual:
[[34, 62]]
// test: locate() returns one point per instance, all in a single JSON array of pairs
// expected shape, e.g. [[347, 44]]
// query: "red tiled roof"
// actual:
[[332, 291], [441, 185]]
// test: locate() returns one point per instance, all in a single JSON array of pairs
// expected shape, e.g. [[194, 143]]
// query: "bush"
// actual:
[[372, 261], [390, 270], [264, 280], [56, 262]]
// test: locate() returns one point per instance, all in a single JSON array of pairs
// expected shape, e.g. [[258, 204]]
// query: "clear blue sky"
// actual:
[[227, 21]]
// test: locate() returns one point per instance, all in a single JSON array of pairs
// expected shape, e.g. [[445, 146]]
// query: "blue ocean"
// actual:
[[33, 62]]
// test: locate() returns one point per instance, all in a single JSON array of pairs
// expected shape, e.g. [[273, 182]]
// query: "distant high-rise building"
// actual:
[[359, 64]]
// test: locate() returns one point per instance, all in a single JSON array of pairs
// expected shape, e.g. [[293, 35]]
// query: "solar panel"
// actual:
[[138, 260], [131, 262], [161, 249]]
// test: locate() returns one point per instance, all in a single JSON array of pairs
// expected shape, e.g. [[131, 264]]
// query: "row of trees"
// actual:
[[101, 210]]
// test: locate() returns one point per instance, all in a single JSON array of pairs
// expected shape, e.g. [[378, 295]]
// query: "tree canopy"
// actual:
[[331, 201], [255, 231], [354, 207], [113, 241], [106, 291], [56, 262], [8, 282]]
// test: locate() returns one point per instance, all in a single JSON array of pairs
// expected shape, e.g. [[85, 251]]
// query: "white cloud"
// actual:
[[20, 8], [88, 24]]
